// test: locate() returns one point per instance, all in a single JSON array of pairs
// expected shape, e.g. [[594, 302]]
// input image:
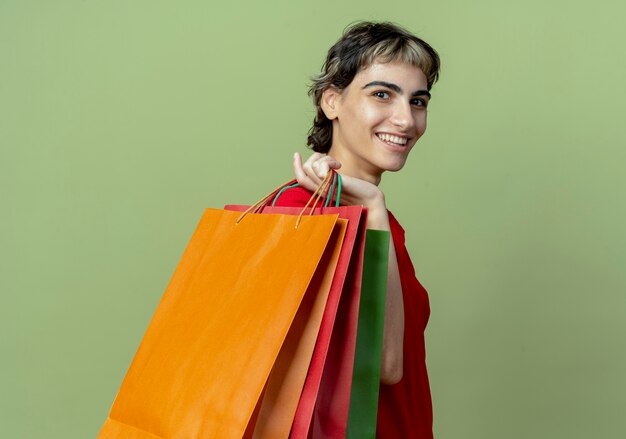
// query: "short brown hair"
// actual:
[[362, 44]]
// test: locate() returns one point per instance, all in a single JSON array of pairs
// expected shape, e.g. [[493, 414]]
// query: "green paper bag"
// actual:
[[369, 343]]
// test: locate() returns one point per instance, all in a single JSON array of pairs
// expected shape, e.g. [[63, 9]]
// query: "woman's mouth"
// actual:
[[392, 140]]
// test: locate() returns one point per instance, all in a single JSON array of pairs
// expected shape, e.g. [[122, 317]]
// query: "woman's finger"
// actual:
[[314, 168], [331, 162], [323, 164], [322, 168], [311, 173], [310, 166], [301, 174]]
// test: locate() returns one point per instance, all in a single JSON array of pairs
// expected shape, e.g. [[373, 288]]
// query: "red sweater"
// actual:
[[405, 408]]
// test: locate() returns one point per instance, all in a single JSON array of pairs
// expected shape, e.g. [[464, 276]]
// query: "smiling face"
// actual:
[[377, 118]]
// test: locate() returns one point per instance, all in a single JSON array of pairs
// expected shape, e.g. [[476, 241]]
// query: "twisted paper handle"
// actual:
[[324, 190]]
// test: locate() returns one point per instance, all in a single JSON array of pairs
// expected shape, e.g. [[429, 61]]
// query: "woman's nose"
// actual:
[[402, 116]]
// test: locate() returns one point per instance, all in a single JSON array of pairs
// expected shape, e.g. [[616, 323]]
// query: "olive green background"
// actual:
[[120, 121]]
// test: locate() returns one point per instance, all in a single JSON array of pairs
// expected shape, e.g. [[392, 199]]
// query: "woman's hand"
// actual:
[[354, 191]]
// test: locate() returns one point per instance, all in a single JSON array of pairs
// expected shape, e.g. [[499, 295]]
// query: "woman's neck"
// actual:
[[353, 167]]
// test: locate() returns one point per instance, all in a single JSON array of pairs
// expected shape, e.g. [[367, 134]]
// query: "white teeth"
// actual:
[[393, 139]]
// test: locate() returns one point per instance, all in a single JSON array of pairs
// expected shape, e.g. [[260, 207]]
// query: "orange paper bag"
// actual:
[[219, 327], [277, 407]]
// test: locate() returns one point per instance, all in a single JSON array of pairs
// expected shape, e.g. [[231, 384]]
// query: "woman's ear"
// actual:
[[329, 102]]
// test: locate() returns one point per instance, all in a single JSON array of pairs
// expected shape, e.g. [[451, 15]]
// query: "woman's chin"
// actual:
[[394, 165]]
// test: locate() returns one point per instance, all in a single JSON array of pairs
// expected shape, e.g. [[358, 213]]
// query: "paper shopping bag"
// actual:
[[303, 354], [324, 404], [367, 358], [330, 413], [212, 342], [335, 320]]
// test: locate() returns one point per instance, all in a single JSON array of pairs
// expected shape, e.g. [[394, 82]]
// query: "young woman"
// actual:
[[371, 99]]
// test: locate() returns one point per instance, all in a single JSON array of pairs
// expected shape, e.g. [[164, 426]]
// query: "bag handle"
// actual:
[[325, 190], [333, 192]]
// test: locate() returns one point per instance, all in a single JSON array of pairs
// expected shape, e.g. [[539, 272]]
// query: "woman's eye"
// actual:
[[419, 102], [381, 94]]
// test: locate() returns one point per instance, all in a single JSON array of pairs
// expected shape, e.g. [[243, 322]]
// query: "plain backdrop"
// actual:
[[120, 121]]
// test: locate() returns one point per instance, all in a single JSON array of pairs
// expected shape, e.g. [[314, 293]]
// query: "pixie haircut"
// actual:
[[361, 45]]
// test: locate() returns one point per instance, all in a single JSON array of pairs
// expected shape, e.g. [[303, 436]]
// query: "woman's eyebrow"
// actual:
[[389, 85], [396, 88], [421, 93]]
